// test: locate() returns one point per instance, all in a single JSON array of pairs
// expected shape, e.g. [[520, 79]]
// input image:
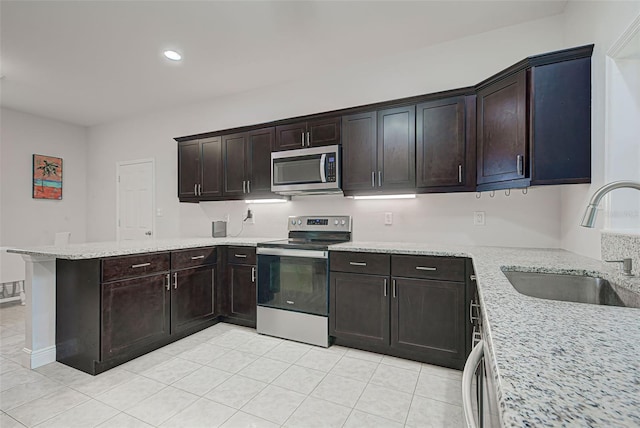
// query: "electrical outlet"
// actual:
[[388, 218], [159, 212], [478, 218]]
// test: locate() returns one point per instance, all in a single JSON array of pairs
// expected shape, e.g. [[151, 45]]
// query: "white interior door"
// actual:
[[136, 200]]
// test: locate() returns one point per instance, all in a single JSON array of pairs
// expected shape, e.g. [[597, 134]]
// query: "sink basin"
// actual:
[[568, 288]]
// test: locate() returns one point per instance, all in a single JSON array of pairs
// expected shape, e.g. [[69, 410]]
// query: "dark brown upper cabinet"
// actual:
[[534, 122], [311, 133], [247, 163], [445, 145], [200, 169], [379, 151]]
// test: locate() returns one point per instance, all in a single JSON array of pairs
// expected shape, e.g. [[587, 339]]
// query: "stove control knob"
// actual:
[[299, 222], [343, 222], [335, 222], [293, 222]]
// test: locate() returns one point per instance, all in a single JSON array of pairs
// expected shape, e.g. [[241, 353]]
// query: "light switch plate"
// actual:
[[478, 218], [388, 218]]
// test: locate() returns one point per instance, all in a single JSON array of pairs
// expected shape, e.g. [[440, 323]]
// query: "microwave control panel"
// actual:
[[331, 167]]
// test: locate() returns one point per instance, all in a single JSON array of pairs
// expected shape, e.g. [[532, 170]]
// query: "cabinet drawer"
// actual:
[[116, 268], [193, 257], [369, 263], [241, 255], [447, 268]]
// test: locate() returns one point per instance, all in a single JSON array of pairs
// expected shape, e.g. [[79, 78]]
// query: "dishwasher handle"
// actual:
[[467, 383]]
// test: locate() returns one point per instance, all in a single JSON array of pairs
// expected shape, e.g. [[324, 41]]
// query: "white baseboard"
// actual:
[[34, 359]]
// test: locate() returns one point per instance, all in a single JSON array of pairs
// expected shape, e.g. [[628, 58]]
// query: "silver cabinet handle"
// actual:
[[308, 140], [459, 173], [175, 280], [358, 263], [467, 383], [472, 305], [395, 294], [302, 137], [195, 189], [519, 164], [244, 186], [197, 257], [140, 265], [380, 178], [199, 189], [385, 287], [253, 274], [248, 186], [425, 268], [168, 282], [240, 256], [373, 179]]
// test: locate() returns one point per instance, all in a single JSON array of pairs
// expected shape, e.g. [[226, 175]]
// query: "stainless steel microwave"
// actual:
[[306, 171]]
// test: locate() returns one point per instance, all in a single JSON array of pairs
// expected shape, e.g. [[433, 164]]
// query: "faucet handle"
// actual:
[[627, 265]]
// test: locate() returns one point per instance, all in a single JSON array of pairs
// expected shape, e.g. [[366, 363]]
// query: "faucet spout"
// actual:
[[589, 217]]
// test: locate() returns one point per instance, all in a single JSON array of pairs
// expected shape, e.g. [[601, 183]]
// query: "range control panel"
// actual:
[[340, 223]]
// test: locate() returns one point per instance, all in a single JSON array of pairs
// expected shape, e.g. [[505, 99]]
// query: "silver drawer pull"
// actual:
[[425, 268], [240, 256], [357, 263], [140, 265], [197, 257]]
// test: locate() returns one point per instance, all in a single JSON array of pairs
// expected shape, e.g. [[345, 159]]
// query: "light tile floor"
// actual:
[[227, 376]]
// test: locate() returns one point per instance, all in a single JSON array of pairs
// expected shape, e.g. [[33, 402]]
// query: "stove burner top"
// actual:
[[302, 243], [314, 233]]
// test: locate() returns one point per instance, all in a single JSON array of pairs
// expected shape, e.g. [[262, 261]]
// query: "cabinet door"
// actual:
[[359, 161], [441, 143], [502, 128], [359, 308], [192, 297], [397, 148], [292, 136], [242, 289], [211, 167], [427, 318], [234, 149], [324, 132], [135, 312], [188, 168], [260, 143]]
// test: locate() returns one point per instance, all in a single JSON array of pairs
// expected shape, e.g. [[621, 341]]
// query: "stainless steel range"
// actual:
[[293, 279]]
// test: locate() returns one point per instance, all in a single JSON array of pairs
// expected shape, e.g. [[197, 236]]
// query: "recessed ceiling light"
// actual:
[[173, 55]]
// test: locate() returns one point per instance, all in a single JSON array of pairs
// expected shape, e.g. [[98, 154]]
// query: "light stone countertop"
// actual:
[[96, 250], [556, 363]]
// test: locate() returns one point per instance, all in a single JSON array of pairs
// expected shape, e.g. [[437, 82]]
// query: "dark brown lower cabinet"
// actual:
[[135, 312], [359, 308], [111, 310], [192, 297], [413, 307], [242, 295], [428, 319]]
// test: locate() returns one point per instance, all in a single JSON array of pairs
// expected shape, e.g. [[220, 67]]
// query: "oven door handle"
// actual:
[[323, 162], [311, 254]]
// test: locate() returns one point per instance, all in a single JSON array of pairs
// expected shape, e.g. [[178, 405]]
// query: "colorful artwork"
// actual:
[[47, 177]]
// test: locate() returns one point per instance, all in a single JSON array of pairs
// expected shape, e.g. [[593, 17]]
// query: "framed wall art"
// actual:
[[47, 177]]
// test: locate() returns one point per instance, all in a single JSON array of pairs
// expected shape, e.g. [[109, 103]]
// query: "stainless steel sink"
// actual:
[[570, 288]]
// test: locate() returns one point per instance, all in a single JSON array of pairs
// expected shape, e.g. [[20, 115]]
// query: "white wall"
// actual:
[[600, 23], [518, 220], [25, 221]]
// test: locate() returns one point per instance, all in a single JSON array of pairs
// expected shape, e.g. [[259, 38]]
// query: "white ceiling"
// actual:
[[91, 62]]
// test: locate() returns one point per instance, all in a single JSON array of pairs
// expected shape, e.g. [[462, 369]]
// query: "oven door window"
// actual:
[[298, 170], [293, 283]]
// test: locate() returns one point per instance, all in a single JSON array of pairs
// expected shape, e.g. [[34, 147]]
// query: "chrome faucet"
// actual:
[[589, 218]]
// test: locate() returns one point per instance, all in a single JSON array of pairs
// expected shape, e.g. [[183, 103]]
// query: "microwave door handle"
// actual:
[[323, 174]]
